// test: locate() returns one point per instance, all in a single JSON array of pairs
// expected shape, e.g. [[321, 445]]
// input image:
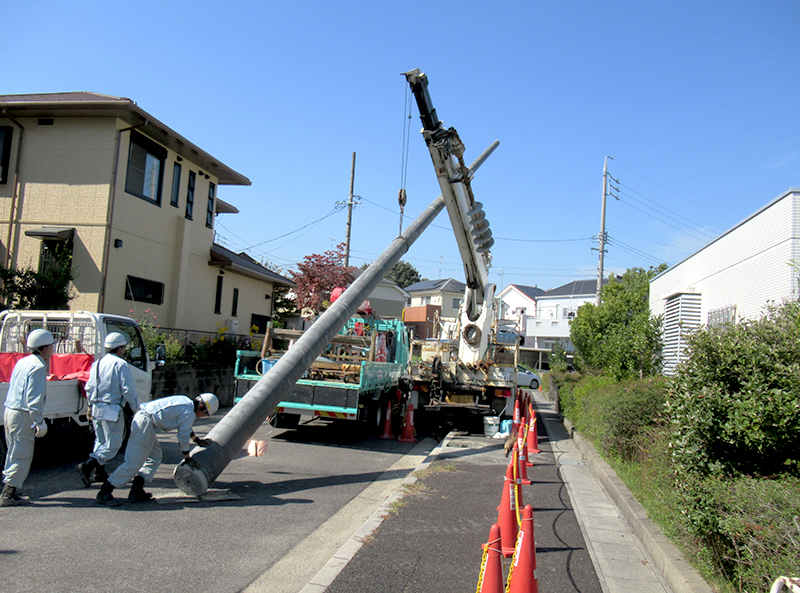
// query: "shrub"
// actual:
[[735, 406]]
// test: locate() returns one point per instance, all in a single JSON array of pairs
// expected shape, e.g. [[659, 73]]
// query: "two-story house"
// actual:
[[543, 316], [134, 202], [433, 302]]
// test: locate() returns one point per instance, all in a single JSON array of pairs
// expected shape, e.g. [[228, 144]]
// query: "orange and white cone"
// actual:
[[387, 423], [523, 465], [533, 435], [523, 571], [492, 577], [407, 435], [516, 422], [507, 513]]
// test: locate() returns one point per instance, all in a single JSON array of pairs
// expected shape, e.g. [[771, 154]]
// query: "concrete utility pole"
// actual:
[[602, 237], [349, 213], [231, 433]]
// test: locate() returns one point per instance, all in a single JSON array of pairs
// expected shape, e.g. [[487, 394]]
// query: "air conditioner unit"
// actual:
[[232, 325]]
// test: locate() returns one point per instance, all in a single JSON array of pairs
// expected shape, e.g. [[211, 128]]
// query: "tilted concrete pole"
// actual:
[[232, 432]]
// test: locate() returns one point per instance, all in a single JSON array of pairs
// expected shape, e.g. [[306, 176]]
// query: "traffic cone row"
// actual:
[[512, 536]]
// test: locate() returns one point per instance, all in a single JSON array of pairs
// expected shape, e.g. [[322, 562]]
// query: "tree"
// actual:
[[620, 337], [48, 289], [318, 275], [284, 304], [402, 273]]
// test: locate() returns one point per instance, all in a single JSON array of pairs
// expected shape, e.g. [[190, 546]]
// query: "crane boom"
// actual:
[[473, 235]]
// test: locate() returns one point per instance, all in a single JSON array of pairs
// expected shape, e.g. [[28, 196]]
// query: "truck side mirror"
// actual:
[[161, 355]]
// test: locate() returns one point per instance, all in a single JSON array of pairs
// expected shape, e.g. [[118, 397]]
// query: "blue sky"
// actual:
[[696, 101]]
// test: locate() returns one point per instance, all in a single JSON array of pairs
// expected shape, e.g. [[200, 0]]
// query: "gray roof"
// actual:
[[88, 104], [244, 264], [576, 288], [441, 285], [529, 291]]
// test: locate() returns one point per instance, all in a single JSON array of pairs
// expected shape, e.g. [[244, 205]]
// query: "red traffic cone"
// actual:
[[408, 426], [515, 424], [387, 423], [491, 581], [507, 513], [533, 435], [523, 571], [523, 465]]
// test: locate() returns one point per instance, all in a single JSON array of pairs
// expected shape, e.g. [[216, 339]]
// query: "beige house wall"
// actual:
[[67, 173]]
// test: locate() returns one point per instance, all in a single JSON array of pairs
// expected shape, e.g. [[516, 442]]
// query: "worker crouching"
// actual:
[[143, 453]]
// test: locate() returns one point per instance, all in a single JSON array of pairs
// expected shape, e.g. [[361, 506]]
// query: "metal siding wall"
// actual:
[[747, 267]]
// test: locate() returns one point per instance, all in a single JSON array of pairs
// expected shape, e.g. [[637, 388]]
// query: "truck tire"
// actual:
[[281, 420]]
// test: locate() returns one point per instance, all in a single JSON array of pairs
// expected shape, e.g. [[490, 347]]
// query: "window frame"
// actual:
[[5, 153], [175, 198], [151, 149], [218, 296], [235, 303], [156, 287], [191, 184], [210, 209]]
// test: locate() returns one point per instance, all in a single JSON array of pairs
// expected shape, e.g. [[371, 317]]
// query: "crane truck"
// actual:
[[484, 372], [473, 368]]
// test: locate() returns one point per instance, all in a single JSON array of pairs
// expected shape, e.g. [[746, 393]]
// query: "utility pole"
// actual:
[[349, 213], [602, 237]]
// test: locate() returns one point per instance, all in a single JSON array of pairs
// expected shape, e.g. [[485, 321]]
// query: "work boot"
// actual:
[[100, 475], [11, 498], [137, 493], [105, 497], [85, 468]]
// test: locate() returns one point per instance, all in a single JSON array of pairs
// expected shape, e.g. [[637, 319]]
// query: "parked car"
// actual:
[[527, 378]]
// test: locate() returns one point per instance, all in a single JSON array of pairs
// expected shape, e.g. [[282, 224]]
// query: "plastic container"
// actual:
[[491, 424]]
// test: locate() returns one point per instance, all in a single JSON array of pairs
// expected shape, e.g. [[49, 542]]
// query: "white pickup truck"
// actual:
[[79, 342]]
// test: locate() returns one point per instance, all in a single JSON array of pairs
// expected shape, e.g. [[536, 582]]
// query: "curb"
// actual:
[[679, 575]]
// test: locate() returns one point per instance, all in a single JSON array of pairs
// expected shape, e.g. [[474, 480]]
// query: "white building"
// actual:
[[733, 277], [543, 317]]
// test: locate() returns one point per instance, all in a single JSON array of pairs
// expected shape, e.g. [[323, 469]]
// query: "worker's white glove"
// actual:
[[40, 430]]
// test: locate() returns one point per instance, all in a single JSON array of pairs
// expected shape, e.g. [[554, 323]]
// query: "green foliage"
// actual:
[[619, 337], [558, 358], [758, 529], [735, 406], [403, 274], [45, 290]]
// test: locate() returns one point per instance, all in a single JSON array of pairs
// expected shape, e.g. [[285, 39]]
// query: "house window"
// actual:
[[218, 298], [145, 168], [190, 196], [144, 291], [259, 323], [5, 152], [456, 303], [176, 184], [235, 305], [210, 209]]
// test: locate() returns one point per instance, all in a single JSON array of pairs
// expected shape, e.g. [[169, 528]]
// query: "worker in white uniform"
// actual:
[[143, 453], [109, 388], [23, 416]]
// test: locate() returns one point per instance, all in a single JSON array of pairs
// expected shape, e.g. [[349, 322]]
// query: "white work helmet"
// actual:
[[39, 338], [211, 402], [114, 340]]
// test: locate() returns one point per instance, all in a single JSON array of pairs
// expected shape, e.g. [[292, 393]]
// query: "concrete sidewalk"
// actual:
[[591, 535]]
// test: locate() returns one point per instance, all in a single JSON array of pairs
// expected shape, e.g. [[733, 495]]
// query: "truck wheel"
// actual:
[[281, 420]]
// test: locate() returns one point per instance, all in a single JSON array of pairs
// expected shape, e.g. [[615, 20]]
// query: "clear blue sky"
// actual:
[[696, 101]]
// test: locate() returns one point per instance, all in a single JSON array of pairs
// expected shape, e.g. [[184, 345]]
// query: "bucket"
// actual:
[[491, 424]]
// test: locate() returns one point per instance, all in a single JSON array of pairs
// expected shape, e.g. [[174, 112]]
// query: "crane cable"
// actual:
[[401, 195]]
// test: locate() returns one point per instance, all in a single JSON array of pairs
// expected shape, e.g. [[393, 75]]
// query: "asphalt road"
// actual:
[[266, 508]]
